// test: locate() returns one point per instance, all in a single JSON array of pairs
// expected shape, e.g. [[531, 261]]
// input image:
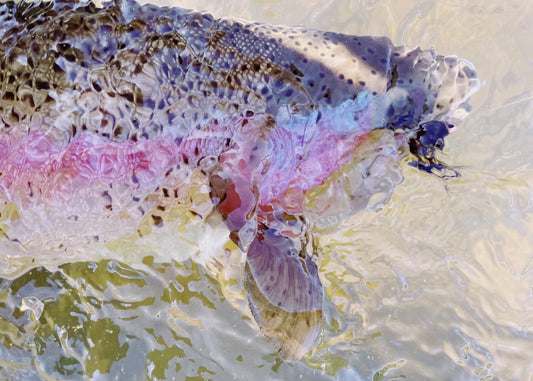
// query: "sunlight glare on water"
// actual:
[[435, 284]]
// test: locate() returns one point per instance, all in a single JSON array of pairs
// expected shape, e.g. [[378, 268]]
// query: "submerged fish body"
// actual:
[[104, 107]]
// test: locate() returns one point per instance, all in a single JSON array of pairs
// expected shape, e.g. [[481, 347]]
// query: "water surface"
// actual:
[[436, 284]]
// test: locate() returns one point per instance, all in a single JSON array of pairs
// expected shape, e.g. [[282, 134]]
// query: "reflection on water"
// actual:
[[108, 318], [437, 284]]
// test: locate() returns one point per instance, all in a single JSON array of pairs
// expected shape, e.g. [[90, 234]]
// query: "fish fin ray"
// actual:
[[284, 293]]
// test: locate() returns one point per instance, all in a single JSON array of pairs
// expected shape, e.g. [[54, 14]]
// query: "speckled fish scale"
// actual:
[[107, 111], [171, 67]]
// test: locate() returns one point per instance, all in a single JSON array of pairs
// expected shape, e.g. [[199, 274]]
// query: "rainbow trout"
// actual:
[[108, 111]]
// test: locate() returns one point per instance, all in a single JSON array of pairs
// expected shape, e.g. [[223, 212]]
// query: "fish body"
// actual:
[[103, 106]]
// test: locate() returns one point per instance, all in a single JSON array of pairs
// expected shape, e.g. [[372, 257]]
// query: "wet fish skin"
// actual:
[[95, 97], [154, 69]]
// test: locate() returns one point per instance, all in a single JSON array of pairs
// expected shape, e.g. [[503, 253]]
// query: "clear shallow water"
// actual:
[[437, 284]]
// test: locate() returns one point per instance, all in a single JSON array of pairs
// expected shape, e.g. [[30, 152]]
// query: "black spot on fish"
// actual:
[[296, 71], [57, 68], [157, 220], [394, 77], [128, 96]]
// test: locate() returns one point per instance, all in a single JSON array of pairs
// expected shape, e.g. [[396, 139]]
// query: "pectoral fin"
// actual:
[[284, 293]]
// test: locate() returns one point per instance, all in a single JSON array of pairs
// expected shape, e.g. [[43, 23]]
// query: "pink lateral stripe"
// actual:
[[33, 163]]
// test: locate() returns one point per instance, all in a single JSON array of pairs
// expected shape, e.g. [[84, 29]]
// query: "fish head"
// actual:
[[429, 97]]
